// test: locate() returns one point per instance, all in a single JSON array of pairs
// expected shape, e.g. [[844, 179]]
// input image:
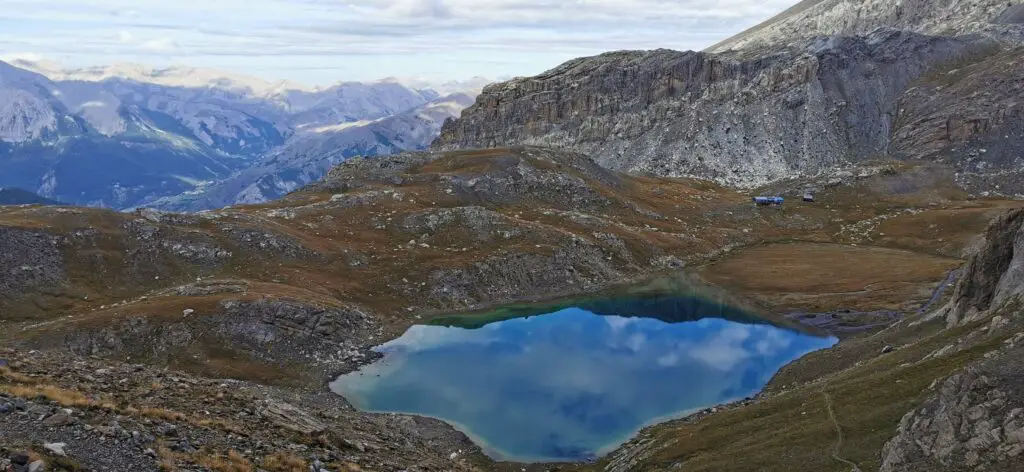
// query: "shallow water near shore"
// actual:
[[573, 384]]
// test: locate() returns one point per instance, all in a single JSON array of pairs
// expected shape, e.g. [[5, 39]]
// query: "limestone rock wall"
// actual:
[[742, 122], [994, 275]]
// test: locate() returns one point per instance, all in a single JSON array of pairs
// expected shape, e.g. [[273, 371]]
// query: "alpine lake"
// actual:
[[571, 380]]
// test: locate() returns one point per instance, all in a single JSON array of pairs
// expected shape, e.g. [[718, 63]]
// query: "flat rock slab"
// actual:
[[292, 418]]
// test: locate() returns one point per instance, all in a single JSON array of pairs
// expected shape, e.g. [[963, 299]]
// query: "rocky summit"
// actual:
[[150, 340], [823, 86]]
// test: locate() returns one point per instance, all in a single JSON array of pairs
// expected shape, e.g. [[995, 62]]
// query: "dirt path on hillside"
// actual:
[[839, 437]]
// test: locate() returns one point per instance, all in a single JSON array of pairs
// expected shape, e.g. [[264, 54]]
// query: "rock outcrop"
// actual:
[[30, 261], [973, 421], [847, 82], [994, 275], [268, 331], [968, 114]]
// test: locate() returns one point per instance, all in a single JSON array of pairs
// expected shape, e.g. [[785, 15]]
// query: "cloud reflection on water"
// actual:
[[571, 384]]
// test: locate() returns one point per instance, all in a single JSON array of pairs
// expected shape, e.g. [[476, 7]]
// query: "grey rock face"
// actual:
[[973, 421], [522, 175], [292, 418], [362, 172], [803, 110], [284, 321], [994, 275], [513, 180], [482, 224], [1014, 15], [152, 250], [273, 330], [29, 260], [270, 243], [968, 114], [575, 267], [211, 287]]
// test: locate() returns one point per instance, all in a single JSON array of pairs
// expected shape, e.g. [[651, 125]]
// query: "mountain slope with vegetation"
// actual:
[[283, 296], [17, 196]]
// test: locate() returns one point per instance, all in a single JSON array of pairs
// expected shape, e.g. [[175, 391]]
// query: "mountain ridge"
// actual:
[[717, 115], [816, 18], [17, 196], [308, 156], [163, 138]]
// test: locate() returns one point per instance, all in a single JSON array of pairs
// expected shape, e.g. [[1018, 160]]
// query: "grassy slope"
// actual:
[[697, 221], [822, 277], [792, 430]]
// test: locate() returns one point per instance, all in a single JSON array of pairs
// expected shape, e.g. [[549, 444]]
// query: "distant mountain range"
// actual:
[[127, 135], [308, 155], [17, 196]]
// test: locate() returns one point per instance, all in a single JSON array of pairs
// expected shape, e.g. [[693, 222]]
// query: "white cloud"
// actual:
[[22, 56], [517, 36], [669, 360], [725, 349], [773, 342], [636, 342], [162, 45], [723, 357], [618, 323]]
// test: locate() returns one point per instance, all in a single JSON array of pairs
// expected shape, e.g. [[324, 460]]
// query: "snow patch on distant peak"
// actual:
[[93, 104], [341, 126], [472, 86], [173, 76]]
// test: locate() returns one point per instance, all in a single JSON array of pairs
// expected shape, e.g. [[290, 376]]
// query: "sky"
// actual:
[[318, 42]]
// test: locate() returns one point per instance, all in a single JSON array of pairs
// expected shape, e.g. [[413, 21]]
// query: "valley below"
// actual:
[[140, 319]]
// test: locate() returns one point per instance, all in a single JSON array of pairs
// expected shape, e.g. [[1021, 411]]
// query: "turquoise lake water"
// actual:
[[572, 384]]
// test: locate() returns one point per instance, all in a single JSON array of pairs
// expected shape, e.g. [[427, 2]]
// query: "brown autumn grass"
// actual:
[[231, 462], [284, 462], [792, 431], [8, 374], [820, 277], [32, 388], [62, 396], [166, 459]]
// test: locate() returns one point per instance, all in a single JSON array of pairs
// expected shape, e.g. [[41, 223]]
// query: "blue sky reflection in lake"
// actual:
[[570, 385]]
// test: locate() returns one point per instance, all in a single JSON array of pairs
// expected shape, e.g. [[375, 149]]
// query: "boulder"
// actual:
[[56, 449]]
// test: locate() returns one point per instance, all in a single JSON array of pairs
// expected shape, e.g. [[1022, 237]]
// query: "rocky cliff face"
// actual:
[[970, 115], [804, 106], [974, 419], [740, 122], [30, 261], [994, 275]]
